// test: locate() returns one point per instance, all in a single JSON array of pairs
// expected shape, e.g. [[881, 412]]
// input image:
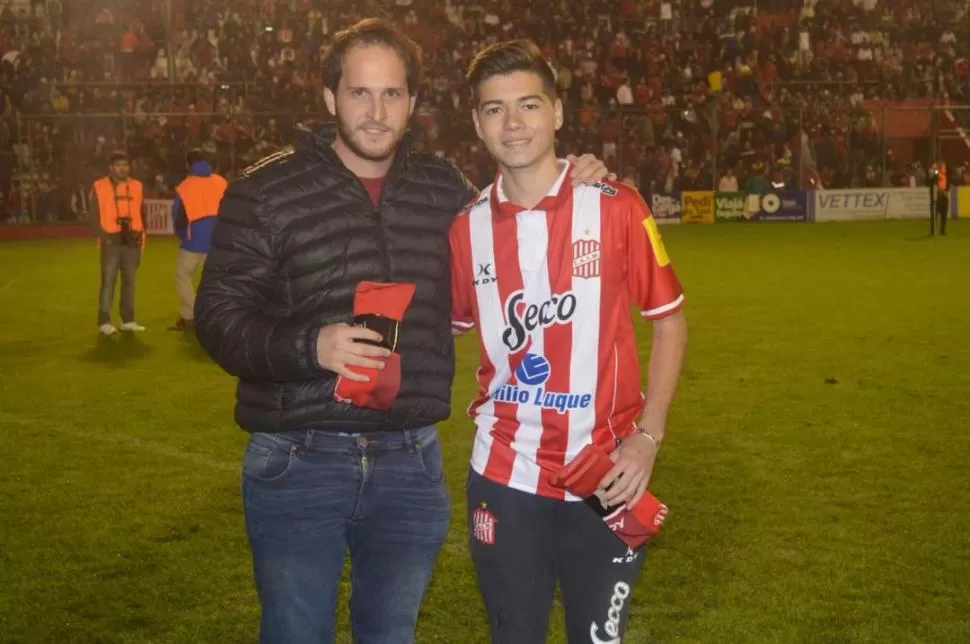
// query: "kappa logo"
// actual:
[[586, 258], [483, 525], [612, 626]]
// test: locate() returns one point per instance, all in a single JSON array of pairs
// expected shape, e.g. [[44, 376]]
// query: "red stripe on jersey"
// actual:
[[463, 300], [462, 305], [509, 276], [611, 275], [554, 440]]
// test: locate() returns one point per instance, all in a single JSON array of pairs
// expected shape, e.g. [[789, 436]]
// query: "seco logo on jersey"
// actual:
[[523, 319]]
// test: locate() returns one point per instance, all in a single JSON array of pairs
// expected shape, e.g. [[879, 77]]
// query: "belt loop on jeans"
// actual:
[[308, 439], [410, 442]]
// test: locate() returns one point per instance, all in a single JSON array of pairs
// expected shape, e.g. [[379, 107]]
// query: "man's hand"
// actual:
[[340, 346], [631, 473], [588, 169]]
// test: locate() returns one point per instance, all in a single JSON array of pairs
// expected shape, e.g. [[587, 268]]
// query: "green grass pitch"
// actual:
[[816, 464]]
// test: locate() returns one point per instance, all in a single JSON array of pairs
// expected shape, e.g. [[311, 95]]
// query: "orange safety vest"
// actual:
[[119, 200], [201, 196], [941, 184]]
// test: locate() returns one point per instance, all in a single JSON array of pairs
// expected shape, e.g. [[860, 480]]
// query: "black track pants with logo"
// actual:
[[523, 544]]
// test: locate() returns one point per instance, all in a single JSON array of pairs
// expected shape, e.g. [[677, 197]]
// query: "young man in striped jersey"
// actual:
[[545, 269]]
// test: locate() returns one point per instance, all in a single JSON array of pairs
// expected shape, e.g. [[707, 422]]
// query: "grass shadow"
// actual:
[[120, 348], [925, 235], [22, 348], [193, 349]]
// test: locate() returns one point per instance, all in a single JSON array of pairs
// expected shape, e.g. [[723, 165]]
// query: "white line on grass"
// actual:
[[120, 439]]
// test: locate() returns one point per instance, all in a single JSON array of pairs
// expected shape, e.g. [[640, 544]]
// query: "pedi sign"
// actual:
[[697, 206]]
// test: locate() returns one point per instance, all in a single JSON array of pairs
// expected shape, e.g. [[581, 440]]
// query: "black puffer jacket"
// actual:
[[296, 233]]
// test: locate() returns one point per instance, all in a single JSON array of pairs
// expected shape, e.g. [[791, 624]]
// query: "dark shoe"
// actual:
[[182, 325]]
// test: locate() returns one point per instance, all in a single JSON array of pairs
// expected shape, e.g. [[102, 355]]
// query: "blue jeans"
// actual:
[[311, 496]]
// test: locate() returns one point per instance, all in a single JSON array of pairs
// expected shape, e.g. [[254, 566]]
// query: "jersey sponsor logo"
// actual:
[[484, 275], [483, 525], [522, 319], [586, 258], [534, 371], [612, 626], [605, 188], [476, 202]]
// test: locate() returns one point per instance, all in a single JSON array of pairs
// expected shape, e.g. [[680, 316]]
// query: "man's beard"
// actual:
[[346, 134]]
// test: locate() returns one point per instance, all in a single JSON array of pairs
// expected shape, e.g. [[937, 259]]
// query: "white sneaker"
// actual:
[[107, 329], [132, 326]]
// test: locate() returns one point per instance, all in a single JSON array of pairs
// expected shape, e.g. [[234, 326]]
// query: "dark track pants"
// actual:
[[523, 544]]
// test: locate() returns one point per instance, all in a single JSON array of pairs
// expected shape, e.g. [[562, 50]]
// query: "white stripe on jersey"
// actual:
[[491, 323], [532, 233], [666, 307], [583, 371]]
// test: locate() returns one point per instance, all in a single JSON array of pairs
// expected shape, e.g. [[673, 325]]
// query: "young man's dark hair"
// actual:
[[373, 31], [508, 57], [116, 156], [195, 155]]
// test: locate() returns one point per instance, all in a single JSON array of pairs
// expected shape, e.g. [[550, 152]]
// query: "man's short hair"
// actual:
[[372, 31], [195, 155], [116, 156], [505, 58]]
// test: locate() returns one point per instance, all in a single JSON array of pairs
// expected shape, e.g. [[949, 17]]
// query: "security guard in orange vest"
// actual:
[[939, 195], [194, 213], [118, 220]]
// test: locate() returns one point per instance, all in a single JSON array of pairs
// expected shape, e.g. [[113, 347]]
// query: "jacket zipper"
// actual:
[[376, 210]]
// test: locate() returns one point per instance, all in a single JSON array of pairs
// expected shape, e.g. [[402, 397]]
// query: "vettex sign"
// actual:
[[872, 203]]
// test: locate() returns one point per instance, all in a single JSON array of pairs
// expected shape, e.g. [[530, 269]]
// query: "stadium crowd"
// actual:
[[674, 94]]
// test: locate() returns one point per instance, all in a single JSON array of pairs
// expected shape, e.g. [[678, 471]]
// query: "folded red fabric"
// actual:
[[381, 307]]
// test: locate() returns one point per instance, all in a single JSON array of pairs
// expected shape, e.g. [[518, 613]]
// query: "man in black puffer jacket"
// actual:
[[326, 292]]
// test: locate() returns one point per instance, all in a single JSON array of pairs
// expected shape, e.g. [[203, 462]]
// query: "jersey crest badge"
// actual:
[[586, 258]]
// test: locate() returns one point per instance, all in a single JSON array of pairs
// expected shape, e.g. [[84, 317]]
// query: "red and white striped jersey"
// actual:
[[549, 293]]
